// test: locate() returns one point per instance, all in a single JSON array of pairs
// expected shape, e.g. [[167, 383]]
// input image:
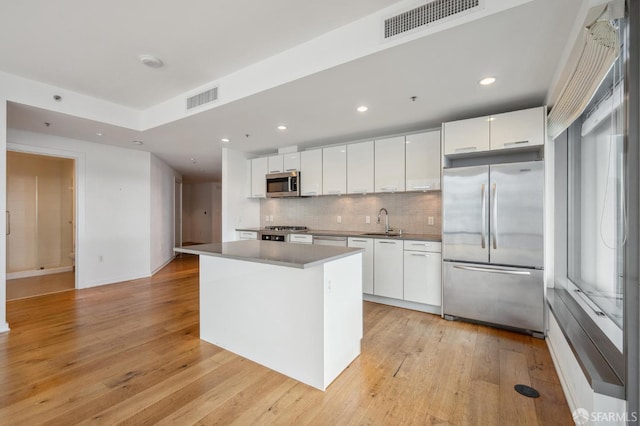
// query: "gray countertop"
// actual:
[[320, 232], [271, 252]]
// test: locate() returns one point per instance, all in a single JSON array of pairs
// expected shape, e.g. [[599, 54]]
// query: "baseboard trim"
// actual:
[[4, 328], [164, 264], [38, 272], [430, 309]]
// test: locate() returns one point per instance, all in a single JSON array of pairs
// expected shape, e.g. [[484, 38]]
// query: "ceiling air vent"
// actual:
[[426, 14], [202, 98]]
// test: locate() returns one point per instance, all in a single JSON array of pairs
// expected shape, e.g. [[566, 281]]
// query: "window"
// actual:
[[597, 221]]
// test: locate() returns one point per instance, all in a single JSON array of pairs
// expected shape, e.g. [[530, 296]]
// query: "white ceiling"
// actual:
[[522, 46]]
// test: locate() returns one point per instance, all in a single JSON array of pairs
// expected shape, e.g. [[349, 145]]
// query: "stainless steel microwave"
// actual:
[[283, 184]]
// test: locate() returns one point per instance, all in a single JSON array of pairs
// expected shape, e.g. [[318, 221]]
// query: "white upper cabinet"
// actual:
[[389, 164], [518, 128], [334, 170], [360, 168], [311, 172], [514, 129], [259, 169], [276, 164], [291, 161], [466, 136], [423, 161]]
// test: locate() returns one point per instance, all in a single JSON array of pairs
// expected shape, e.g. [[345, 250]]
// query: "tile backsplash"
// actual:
[[407, 211]]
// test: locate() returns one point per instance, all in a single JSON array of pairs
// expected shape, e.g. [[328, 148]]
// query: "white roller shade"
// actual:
[[600, 50]]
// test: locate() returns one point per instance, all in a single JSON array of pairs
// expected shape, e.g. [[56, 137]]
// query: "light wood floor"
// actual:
[[20, 288], [130, 353]]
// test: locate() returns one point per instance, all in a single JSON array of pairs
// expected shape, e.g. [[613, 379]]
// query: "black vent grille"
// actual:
[[202, 98], [426, 14]]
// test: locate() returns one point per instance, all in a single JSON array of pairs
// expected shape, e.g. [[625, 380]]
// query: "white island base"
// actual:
[[304, 322]]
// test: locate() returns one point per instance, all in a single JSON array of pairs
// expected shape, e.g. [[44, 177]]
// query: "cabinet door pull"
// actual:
[[387, 242], [467, 148], [516, 143], [310, 193], [359, 241], [274, 171], [422, 187], [421, 255], [8, 224], [291, 170]]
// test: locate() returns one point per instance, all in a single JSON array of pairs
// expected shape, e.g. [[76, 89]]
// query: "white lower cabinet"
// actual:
[[247, 235], [388, 268], [300, 238], [367, 261], [422, 272]]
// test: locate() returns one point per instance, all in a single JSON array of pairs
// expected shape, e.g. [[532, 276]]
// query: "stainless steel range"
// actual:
[[279, 232], [285, 228]]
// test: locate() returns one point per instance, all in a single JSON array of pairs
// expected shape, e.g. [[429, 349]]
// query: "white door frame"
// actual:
[[79, 165], [177, 212]]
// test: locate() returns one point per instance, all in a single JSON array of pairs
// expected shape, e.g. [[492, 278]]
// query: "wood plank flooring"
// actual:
[[20, 288], [129, 353]]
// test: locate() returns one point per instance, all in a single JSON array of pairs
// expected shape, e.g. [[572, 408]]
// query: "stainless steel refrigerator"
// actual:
[[492, 245]]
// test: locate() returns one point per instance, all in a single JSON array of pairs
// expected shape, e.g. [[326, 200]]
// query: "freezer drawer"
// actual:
[[505, 296]]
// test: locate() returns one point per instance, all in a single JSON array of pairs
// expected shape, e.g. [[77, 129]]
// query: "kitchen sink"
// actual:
[[381, 234]]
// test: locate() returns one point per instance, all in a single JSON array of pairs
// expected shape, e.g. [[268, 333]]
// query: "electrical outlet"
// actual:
[[430, 220], [270, 218], [266, 218], [367, 219], [339, 219]]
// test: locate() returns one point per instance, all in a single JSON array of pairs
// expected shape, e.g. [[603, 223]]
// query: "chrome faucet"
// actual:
[[386, 219]]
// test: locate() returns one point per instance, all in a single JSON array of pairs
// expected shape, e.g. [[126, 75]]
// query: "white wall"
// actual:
[[113, 211], [3, 205], [163, 180], [216, 212], [238, 211]]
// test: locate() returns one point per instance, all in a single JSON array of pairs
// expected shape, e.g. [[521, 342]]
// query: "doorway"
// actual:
[[40, 224]]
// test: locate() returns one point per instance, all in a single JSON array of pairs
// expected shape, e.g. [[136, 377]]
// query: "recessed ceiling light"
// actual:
[[225, 140], [99, 133], [362, 108], [282, 127], [150, 61], [487, 81], [137, 142]]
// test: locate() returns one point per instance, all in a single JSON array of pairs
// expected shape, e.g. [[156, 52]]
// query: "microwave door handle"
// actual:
[[289, 181]]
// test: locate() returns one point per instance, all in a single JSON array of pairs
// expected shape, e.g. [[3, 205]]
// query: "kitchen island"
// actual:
[[293, 308]]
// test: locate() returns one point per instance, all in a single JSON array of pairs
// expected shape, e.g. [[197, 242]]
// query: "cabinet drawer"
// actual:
[[301, 238], [415, 245], [247, 235]]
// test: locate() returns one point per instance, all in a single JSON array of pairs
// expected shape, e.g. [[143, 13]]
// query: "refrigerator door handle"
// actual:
[[494, 228], [492, 270], [483, 208]]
